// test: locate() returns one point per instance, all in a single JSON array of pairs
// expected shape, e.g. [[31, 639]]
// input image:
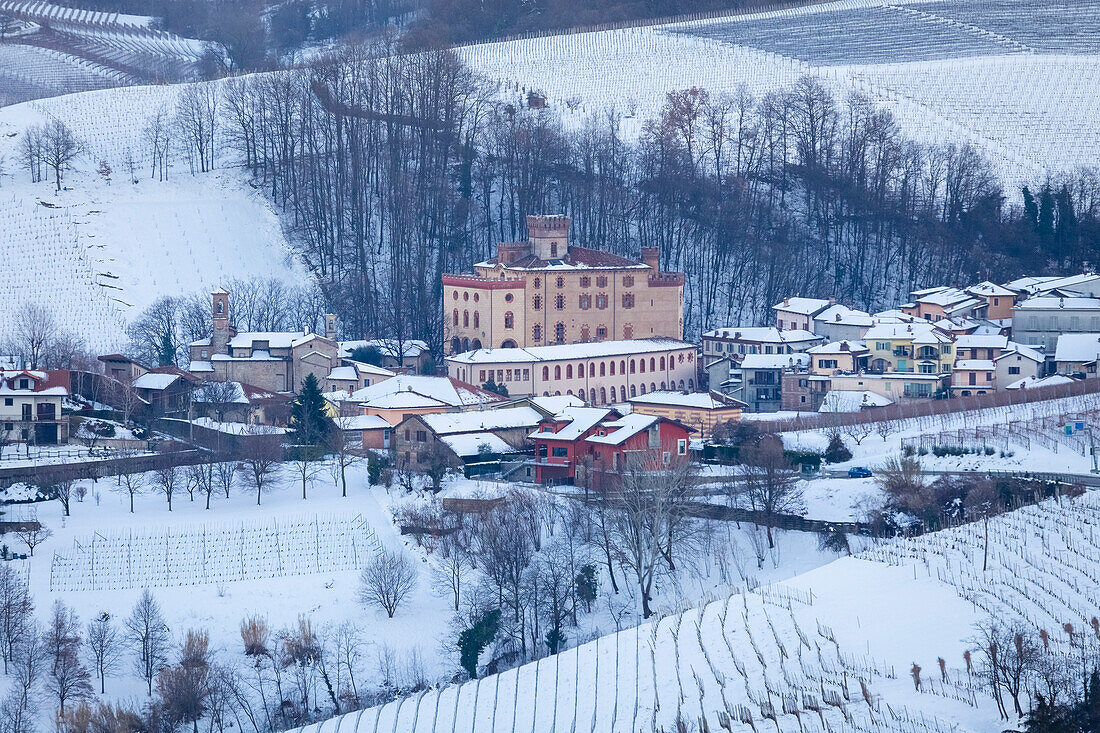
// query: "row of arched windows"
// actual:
[[602, 396], [465, 318], [607, 368]]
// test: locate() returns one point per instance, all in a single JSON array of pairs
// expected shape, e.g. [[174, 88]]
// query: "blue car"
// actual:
[[859, 472]]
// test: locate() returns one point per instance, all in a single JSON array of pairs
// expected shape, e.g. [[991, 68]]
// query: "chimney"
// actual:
[[330, 326], [651, 258], [549, 236]]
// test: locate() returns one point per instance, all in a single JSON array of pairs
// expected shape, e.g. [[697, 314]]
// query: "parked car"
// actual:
[[859, 472]]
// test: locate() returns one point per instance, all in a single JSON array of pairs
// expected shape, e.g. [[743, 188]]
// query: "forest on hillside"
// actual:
[[393, 169]]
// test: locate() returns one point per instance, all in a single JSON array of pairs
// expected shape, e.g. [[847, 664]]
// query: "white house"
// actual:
[[30, 406]]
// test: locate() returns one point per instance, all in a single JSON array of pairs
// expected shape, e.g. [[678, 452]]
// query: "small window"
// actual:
[[601, 281], [561, 282], [466, 296], [538, 282], [421, 436], [559, 452], [681, 447], [8, 402], [536, 303], [508, 298], [586, 282], [628, 281]]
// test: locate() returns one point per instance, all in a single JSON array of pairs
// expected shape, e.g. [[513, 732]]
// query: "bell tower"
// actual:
[[549, 236], [222, 331]]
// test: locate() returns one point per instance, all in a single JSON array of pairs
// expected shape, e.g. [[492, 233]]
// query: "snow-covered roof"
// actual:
[[918, 332], [554, 404], [240, 428], [356, 370], [1077, 347], [1050, 302], [840, 347], [1031, 382], [852, 400], [974, 365], [697, 400], [625, 428], [417, 390], [802, 306], [578, 420], [989, 289], [844, 316], [763, 334], [466, 445], [981, 341], [448, 423], [774, 361], [1069, 282], [274, 339], [198, 367], [893, 315], [362, 422], [155, 381], [565, 352], [1015, 349], [1028, 284]]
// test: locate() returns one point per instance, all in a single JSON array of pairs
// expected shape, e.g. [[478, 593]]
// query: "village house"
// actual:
[[547, 291], [30, 406], [934, 304], [839, 400], [897, 387], [240, 402], [838, 356], [1016, 364], [758, 381], [980, 346], [973, 377], [736, 342], [599, 373], [700, 411], [465, 439], [1041, 320], [997, 301], [278, 361], [1077, 354], [909, 347], [841, 323], [122, 368], [797, 314], [166, 391], [802, 391], [590, 446], [404, 356], [352, 375]]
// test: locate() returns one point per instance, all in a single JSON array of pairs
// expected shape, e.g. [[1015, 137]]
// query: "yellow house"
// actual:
[[902, 348]]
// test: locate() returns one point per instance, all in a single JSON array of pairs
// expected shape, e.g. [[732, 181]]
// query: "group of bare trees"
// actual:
[[37, 337], [49, 149]]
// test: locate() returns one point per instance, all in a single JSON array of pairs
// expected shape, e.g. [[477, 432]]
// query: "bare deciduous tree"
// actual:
[[388, 579], [16, 611], [260, 458], [345, 452], [148, 636], [130, 481], [104, 647], [167, 480], [60, 147], [771, 482], [33, 534]]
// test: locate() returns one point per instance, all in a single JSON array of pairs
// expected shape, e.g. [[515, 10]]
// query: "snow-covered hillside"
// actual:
[[1016, 79], [103, 248]]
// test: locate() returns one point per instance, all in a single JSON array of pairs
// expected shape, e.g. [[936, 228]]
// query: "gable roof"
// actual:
[[802, 306], [840, 347], [774, 361], [452, 423], [764, 334], [1077, 347], [564, 352], [844, 316], [579, 420], [417, 390], [697, 400]]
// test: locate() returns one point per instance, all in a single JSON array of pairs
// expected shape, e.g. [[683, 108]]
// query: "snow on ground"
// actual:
[[104, 248]]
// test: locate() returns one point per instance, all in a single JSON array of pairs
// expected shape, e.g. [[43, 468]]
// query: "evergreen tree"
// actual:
[[837, 452], [307, 414], [473, 640]]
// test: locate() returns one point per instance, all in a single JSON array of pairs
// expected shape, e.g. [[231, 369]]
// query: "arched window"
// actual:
[[628, 300], [466, 296], [691, 385], [663, 385], [559, 333], [652, 364], [557, 371], [585, 302], [641, 365], [569, 391], [628, 331], [221, 307], [536, 302], [456, 344], [465, 318], [592, 395], [603, 369], [538, 282], [465, 344], [591, 368], [561, 282], [622, 367], [652, 387], [633, 391], [584, 333], [509, 320], [559, 301], [454, 316], [568, 371], [546, 373], [681, 384], [603, 395], [628, 281], [622, 393], [632, 366], [477, 319], [662, 363], [586, 281], [536, 332], [642, 388]]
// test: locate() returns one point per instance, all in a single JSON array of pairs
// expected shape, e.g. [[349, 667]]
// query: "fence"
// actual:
[[215, 553], [932, 408], [93, 467]]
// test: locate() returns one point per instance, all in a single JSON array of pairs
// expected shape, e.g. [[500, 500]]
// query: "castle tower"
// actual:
[[549, 236], [651, 257], [330, 326], [222, 330]]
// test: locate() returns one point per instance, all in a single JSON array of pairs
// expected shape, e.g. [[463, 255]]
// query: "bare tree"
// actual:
[[223, 477], [307, 467], [646, 518], [60, 148], [260, 458], [453, 566], [858, 431], [884, 428], [345, 452], [158, 136], [104, 647], [388, 579], [220, 395], [69, 680], [771, 482], [166, 480], [16, 611], [196, 115], [148, 636], [186, 687], [32, 331], [200, 476], [27, 665], [33, 533], [130, 481]]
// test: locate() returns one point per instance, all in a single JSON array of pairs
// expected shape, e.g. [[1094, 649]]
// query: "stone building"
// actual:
[[278, 360], [546, 291]]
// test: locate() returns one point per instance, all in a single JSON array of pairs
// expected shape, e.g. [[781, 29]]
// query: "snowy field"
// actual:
[[1017, 79], [104, 248]]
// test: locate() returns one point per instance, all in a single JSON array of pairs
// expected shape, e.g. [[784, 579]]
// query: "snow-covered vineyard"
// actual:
[[1017, 79]]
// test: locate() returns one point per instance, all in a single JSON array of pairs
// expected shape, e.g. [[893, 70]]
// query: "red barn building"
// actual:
[[595, 443]]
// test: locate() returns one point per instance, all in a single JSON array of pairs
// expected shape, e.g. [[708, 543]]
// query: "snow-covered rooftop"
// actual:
[[564, 352], [698, 400], [1050, 302], [840, 347], [625, 428], [448, 423], [774, 361], [802, 306], [852, 400], [1077, 347], [155, 381], [981, 341], [763, 334], [974, 365], [844, 316]]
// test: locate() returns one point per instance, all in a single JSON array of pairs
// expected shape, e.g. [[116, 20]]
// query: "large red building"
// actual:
[[596, 442]]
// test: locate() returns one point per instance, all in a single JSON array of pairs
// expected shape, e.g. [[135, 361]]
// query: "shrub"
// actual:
[[837, 452]]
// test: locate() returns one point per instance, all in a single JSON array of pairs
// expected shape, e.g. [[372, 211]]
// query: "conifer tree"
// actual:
[[307, 414]]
